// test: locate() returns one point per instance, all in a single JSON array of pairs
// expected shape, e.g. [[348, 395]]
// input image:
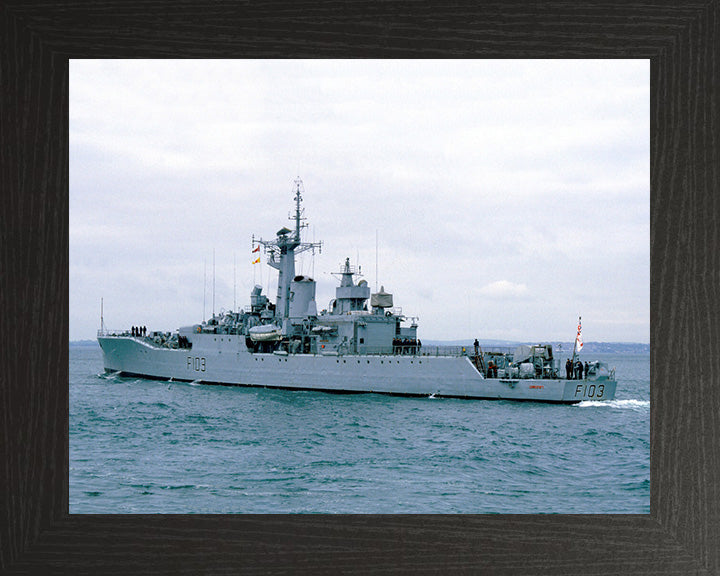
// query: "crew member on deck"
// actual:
[[568, 369], [492, 370]]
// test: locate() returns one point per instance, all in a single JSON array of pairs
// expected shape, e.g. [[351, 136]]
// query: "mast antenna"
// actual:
[[102, 321], [204, 285], [376, 260], [298, 211], [312, 274], [213, 282], [234, 283]]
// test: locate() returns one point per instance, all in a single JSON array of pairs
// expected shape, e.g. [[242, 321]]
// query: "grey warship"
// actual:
[[360, 343]]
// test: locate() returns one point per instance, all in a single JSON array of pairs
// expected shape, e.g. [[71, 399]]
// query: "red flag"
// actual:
[[257, 249]]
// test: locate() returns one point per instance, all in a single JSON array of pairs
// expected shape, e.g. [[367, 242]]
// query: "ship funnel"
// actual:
[[302, 296]]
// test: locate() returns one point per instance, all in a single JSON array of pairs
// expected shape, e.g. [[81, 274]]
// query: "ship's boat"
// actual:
[[361, 342], [265, 333]]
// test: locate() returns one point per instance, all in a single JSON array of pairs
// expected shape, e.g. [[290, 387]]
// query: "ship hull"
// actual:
[[225, 360]]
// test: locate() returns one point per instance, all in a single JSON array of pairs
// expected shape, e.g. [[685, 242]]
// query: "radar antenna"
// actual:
[[299, 212]]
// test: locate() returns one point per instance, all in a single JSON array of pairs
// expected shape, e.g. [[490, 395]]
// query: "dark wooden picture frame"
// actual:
[[681, 535]]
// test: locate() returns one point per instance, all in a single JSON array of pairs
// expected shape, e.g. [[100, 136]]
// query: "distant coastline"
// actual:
[[588, 347], [78, 343]]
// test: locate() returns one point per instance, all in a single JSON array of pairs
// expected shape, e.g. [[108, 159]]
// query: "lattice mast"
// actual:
[[282, 250]]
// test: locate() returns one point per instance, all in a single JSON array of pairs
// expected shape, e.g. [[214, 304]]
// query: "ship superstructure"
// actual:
[[360, 343]]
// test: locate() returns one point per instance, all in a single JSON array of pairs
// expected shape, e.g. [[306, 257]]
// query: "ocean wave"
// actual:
[[212, 449], [623, 404]]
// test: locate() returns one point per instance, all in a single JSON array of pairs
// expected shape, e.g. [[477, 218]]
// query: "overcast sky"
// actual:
[[508, 197]]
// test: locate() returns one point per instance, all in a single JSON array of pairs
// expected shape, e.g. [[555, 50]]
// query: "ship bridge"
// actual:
[[350, 297]]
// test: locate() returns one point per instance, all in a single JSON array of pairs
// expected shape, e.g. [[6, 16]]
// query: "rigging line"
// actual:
[[253, 265]]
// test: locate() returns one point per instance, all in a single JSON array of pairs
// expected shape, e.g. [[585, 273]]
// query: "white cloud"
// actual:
[[535, 173], [504, 289]]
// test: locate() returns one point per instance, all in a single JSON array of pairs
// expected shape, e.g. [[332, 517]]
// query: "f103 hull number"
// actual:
[[196, 363], [591, 391]]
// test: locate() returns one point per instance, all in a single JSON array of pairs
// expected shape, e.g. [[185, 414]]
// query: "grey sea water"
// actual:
[[148, 446]]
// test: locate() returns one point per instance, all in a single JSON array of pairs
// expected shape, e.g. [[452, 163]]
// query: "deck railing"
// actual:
[[424, 350], [413, 350], [107, 332], [408, 350]]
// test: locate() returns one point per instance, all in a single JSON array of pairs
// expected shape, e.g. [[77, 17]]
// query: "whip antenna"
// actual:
[[376, 260], [213, 282]]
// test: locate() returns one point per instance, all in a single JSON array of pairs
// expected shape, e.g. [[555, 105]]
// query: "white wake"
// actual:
[[639, 405]]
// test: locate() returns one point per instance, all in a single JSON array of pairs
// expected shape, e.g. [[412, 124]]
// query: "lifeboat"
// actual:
[[265, 333]]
